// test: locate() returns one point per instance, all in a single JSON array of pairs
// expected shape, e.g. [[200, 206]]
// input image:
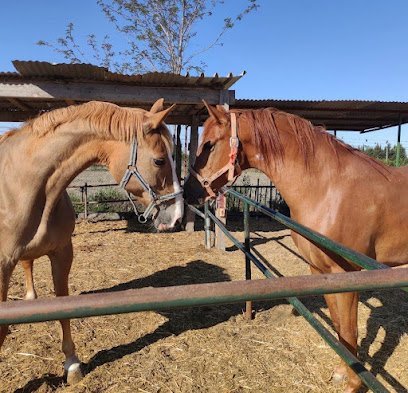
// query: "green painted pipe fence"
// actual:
[[358, 259]]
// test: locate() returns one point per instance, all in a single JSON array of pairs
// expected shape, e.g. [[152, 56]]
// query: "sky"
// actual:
[[292, 49]]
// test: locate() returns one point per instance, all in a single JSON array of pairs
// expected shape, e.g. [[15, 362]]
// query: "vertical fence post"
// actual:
[[190, 156], [271, 196], [257, 198], [248, 275], [207, 233], [85, 200], [398, 157], [221, 214]]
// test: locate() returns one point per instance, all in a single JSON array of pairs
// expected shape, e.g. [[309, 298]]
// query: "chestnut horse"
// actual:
[[329, 187], [42, 157]]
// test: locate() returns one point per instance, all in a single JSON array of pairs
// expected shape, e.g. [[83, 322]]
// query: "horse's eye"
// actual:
[[159, 161], [209, 146]]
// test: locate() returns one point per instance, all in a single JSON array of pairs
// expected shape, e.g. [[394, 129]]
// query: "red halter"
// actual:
[[232, 167]]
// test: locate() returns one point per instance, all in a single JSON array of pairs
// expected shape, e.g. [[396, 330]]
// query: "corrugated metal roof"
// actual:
[[355, 115], [323, 104], [89, 72]]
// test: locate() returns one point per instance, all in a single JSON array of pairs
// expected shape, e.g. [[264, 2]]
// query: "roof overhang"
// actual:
[[40, 86], [345, 115]]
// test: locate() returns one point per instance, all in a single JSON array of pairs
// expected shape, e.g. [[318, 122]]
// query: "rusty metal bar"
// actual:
[[145, 299], [350, 359]]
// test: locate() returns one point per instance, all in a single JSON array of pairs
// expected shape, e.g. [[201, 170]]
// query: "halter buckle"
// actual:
[[234, 142]]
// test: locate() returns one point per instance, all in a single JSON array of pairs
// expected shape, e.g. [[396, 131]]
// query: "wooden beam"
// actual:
[[178, 151], [192, 150], [82, 91], [25, 115], [20, 105], [227, 97], [293, 108], [14, 116]]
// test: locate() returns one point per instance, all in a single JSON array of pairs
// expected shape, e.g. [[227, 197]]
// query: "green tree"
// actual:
[[387, 154], [159, 34]]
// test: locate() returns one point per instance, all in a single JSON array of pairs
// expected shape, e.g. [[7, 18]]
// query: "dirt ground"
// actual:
[[207, 349]]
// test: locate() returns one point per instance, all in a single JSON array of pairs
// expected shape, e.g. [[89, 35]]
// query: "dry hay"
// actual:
[[207, 349]]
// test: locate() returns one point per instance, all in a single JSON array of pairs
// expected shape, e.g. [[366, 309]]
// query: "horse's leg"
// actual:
[[28, 277], [6, 268], [61, 261], [340, 372], [347, 304]]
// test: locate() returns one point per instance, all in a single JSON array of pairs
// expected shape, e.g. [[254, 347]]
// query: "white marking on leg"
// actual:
[[72, 364], [73, 371]]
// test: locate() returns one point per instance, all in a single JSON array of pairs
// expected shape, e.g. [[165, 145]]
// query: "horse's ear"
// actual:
[[219, 116], [153, 121], [157, 106]]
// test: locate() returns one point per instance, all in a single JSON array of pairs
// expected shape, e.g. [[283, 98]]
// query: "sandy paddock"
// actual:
[[207, 349]]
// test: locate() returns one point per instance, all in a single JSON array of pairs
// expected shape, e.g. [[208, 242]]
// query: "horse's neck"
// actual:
[[42, 168], [64, 155], [297, 182]]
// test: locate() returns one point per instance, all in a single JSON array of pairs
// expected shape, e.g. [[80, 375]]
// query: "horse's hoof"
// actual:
[[337, 379], [74, 374], [339, 374]]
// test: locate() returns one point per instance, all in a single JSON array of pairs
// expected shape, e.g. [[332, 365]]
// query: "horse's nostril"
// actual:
[[162, 227]]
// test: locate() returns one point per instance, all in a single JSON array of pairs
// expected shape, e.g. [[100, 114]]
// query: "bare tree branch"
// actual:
[[159, 35]]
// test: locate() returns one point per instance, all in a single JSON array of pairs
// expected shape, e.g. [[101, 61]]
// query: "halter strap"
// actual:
[[232, 167], [156, 199]]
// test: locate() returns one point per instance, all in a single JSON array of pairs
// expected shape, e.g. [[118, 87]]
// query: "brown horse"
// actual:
[[39, 161], [328, 186]]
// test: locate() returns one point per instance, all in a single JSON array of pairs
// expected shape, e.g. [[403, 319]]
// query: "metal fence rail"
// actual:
[[353, 256], [263, 194], [357, 258], [267, 195], [229, 292], [152, 299]]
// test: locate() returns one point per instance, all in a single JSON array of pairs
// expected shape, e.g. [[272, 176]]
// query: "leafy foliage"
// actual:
[[159, 34]]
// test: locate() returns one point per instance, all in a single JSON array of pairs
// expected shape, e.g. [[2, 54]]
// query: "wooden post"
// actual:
[[178, 151], [221, 201], [397, 159], [221, 214], [185, 157], [86, 201], [190, 216], [248, 273]]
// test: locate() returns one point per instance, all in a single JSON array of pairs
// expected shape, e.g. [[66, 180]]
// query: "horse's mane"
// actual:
[[107, 120], [8, 134], [265, 137]]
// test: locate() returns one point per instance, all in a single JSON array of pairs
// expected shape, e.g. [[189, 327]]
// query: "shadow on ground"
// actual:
[[389, 315], [179, 321]]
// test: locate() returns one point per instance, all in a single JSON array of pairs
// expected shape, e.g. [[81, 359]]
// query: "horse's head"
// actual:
[[146, 169], [219, 156]]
